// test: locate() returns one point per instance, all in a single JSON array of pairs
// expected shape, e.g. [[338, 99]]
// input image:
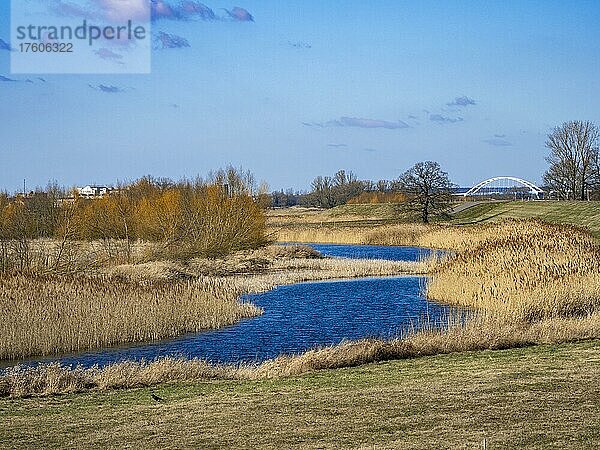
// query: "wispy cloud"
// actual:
[[5, 45], [143, 10], [111, 10], [107, 89], [438, 118], [109, 55], [13, 80], [371, 123], [71, 9], [240, 15], [300, 44], [196, 9], [359, 123], [185, 10], [501, 136], [162, 10], [337, 145], [120, 11], [165, 40], [498, 141], [462, 101]]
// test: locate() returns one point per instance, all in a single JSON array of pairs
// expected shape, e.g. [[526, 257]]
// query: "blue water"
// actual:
[[301, 316], [373, 252]]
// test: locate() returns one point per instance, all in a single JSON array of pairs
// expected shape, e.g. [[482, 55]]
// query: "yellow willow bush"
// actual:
[[522, 270], [181, 221], [185, 221], [159, 216], [54, 314], [216, 225]]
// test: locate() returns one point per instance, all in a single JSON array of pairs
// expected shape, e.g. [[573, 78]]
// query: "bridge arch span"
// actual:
[[533, 189]]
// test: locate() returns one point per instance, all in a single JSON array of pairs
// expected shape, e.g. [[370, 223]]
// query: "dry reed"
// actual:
[[531, 282], [475, 335], [43, 315], [523, 270]]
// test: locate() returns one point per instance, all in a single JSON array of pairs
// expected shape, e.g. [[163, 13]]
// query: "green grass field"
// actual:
[[585, 214], [538, 397]]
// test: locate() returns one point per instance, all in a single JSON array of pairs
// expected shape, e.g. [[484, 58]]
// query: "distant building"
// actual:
[[93, 191]]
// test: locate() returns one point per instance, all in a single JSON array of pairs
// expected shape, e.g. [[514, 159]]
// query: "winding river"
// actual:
[[301, 316]]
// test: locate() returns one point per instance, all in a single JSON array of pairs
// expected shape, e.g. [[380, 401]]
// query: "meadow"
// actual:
[[543, 397], [582, 214]]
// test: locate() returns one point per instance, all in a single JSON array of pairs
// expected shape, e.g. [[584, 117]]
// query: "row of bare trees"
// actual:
[[328, 192], [574, 160], [424, 190], [180, 220]]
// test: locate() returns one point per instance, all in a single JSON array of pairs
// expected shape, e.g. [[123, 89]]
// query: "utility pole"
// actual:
[[24, 191]]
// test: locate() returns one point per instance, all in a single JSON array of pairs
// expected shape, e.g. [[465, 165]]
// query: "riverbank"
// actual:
[[537, 397], [157, 300], [477, 334]]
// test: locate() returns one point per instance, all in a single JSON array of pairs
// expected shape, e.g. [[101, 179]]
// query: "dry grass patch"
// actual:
[[44, 315], [523, 270], [543, 397]]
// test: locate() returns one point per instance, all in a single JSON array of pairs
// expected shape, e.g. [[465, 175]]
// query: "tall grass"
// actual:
[[410, 234], [523, 270], [439, 236], [43, 315], [529, 282]]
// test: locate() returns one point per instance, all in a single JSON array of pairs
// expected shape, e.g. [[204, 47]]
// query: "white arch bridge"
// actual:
[[480, 188]]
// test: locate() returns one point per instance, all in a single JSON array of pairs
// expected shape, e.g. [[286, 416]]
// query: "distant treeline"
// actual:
[[341, 188]]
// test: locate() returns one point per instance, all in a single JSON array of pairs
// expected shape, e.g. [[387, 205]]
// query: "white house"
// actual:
[[93, 191]]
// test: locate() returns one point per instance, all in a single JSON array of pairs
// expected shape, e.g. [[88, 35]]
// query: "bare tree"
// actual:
[[328, 192], [596, 173], [322, 192], [573, 158], [235, 181], [428, 189]]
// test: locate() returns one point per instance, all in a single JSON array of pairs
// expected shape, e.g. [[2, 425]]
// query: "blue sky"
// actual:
[[310, 87]]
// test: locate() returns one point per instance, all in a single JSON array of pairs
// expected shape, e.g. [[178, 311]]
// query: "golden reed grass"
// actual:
[[530, 282], [43, 315], [520, 269], [448, 237], [523, 270]]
